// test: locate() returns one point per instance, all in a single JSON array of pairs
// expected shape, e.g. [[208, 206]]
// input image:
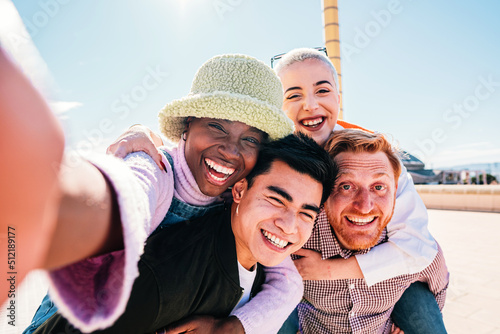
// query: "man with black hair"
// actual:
[[212, 265]]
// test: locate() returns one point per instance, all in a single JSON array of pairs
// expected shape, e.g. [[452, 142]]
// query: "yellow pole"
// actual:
[[332, 40]]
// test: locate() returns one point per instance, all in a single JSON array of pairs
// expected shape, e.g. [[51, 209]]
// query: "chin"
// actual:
[[272, 262], [361, 246], [320, 138], [213, 191]]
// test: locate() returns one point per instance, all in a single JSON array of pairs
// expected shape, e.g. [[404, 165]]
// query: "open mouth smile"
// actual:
[[217, 171], [274, 239], [361, 221], [313, 122]]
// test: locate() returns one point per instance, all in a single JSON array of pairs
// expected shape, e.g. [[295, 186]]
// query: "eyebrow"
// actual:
[[292, 88], [281, 192], [289, 198], [316, 84], [311, 207], [379, 174], [252, 128], [323, 82]]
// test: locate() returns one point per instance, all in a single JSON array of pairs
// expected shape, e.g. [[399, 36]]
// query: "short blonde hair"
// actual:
[[359, 141], [302, 54]]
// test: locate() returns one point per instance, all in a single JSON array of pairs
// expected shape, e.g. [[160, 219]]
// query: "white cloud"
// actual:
[[484, 153], [479, 144], [61, 107]]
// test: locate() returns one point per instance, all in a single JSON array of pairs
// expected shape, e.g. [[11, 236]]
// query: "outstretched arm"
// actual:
[[88, 221], [93, 293], [31, 149], [76, 202]]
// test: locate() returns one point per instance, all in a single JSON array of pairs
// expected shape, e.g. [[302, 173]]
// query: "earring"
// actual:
[[237, 207], [184, 135]]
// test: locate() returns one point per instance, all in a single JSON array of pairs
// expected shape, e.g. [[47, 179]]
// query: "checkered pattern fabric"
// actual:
[[349, 305]]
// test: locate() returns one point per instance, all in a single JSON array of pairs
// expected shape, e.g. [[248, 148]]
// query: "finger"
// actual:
[[177, 329], [111, 149], [120, 152], [183, 326], [304, 252], [162, 166], [396, 330], [157, 157]]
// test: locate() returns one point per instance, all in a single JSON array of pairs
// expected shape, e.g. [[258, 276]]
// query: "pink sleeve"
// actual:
[[93, 293]]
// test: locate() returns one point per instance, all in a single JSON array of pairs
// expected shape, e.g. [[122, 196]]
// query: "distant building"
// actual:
[[455, 175], [417, 170], [492, 168]]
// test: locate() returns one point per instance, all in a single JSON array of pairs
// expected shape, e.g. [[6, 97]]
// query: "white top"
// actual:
[[247, 277]]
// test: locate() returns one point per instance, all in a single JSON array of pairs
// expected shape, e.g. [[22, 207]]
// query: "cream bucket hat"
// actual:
[[233, 87]]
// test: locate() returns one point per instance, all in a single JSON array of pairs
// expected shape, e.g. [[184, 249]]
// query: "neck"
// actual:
[[186, 188], [244, 255]]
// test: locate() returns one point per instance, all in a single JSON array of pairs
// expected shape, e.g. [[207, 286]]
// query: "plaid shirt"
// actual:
[[349, 305]]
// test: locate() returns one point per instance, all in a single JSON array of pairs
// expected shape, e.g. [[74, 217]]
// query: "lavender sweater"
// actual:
[[94, 292]]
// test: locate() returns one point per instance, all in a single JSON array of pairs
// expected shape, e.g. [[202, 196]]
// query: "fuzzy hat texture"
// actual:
[[233, 87]]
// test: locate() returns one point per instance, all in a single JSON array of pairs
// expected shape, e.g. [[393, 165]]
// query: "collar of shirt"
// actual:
[[324, 240]]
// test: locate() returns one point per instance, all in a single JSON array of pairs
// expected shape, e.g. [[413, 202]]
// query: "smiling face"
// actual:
[[311, 99], [220, 152], [362, 201], [275, 216]]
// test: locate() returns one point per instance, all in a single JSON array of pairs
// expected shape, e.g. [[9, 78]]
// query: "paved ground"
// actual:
[[469, 241]]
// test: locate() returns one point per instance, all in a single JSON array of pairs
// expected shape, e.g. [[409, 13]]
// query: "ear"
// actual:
[[239, 189]]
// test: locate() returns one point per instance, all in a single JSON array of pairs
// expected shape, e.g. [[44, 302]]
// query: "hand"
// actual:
[[396, 330], [137, 138], [312, 267], [206, 325]]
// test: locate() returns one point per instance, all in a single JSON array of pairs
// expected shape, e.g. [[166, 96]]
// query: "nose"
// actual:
[[287, 222], [310, 103], [363, 201], [229, 149]]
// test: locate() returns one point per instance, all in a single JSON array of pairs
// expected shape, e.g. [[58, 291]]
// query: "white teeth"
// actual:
[[219, 168], [313, 121], [220, 179], [275, 240], [360, 221]]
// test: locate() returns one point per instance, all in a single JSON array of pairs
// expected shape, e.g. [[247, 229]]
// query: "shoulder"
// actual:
[[183, 235], [346, 125]]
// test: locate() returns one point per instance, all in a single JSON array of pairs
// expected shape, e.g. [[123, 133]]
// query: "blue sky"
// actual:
[[426, 72]]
